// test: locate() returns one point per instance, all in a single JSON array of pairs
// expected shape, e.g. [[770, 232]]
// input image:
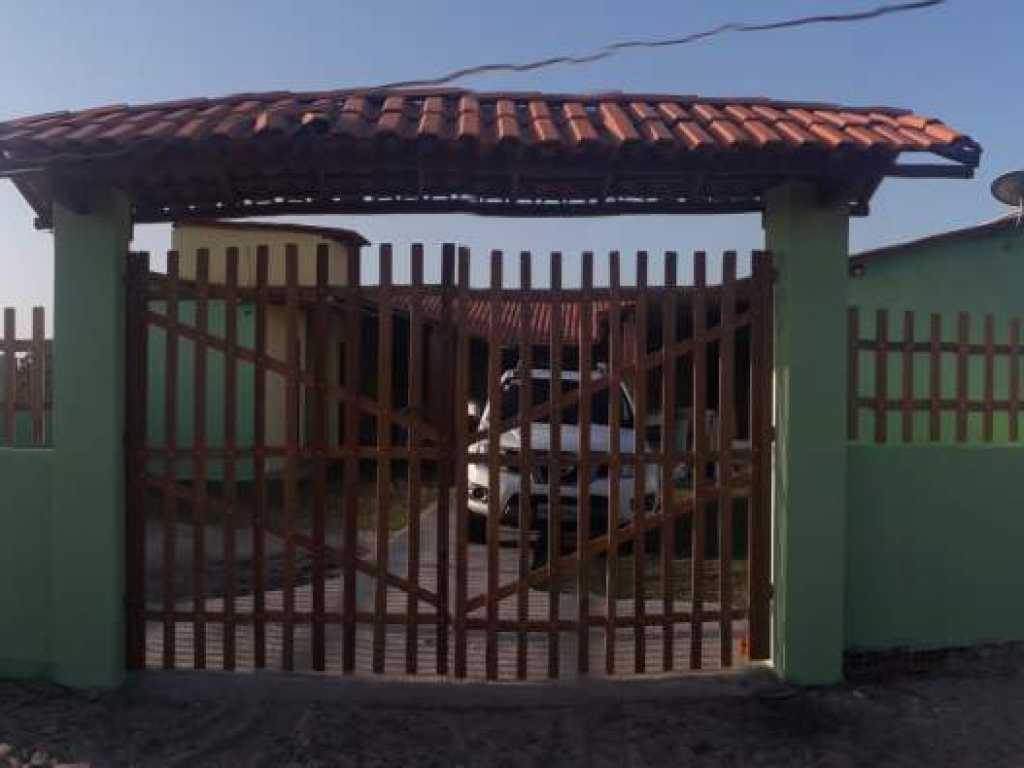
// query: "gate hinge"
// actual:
[[772, 434], [771, 590]]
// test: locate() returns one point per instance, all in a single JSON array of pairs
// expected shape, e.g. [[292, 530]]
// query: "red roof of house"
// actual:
[[478, 318], [358, 149]]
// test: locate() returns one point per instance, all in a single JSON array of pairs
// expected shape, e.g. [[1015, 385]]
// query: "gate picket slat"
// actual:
[[448, 463], [907, 401], [615, 363], [555, 467], [199, 491], [230, 445], [881, 374], [668, 447], [461, 448], [525, 464], [319, 439], [493, 464], [415, 463], [935, 379], [963, 335], [759, 525], [137, 274], [699, 418], [584, 473], [726, 432], [10, 375], [640, 467], [988, 405], [37, 371], [384, 402], [1014, 379], [350, 476], [291, 469], [259, 458], [170, 497]]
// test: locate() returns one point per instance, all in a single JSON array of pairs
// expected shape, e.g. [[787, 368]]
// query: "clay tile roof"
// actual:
[[478, 318], [345, 148]]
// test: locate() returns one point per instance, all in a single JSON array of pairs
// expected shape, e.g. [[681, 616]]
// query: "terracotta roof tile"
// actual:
[[618, 123], [763, 135], [793, 133], [832, 137], [706, 112], [568, 129], [728, 134], [942, 133], [506, 121], [768, 113], [673, 112], [695, 136], [540, 120], [582, 130], [892, 135], [683, 122], [913, 121], [468, 126], [916, 137], [739, 112]]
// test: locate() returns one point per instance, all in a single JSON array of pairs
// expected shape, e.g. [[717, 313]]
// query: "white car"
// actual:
[[567, 486]]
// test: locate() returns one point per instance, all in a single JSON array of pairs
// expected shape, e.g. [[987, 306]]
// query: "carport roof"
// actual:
[[507, 153]]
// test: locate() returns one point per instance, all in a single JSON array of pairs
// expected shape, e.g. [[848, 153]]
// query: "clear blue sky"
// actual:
[[960, 62]]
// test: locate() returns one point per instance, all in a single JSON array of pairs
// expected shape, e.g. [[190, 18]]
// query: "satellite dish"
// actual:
[[1009, 189]]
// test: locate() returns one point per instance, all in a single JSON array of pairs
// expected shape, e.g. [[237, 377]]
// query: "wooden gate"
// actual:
[[435, 476]]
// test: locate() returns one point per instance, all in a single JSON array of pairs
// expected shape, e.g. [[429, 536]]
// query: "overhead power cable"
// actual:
[[614, 48]]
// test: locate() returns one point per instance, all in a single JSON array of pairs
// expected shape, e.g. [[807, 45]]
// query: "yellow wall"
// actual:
[[188, 238]]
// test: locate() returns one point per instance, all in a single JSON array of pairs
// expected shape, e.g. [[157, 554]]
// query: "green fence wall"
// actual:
[[935, 543], [979, 272], [25, 588]]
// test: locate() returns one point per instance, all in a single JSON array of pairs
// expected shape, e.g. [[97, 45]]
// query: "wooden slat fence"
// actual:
[[933, 377], [26, 382], [380, 539]]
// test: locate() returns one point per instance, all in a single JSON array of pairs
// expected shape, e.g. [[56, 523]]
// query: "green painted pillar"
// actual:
[[87, 522], [809, 240]]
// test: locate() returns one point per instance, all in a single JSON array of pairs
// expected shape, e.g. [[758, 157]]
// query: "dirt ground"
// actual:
[[968, 713]]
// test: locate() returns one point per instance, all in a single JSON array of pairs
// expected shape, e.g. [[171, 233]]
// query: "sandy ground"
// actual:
[[969, 713]]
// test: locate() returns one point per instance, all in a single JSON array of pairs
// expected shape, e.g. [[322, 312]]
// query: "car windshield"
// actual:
[[540, 392]]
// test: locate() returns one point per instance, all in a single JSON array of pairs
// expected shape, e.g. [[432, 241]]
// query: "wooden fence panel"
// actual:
[[26, 382], [964, 376]]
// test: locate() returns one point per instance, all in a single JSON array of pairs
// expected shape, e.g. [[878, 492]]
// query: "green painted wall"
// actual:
[[87, 532], [934, 545], [26, 480], [809, 242], [980, 274]]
